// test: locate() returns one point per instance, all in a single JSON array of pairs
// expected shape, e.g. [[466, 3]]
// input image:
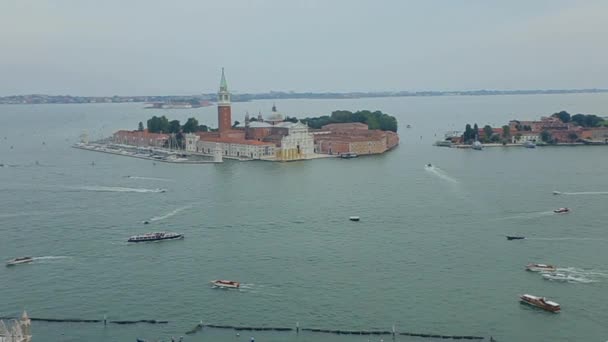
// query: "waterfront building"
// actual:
[[353, 137]]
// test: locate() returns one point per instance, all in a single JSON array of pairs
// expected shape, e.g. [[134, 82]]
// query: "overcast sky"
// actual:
[[150, 47]]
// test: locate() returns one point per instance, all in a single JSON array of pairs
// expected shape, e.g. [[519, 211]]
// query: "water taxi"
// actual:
[[354, 218], [18, 261], [540, 302], [540, 268], [226, 284]]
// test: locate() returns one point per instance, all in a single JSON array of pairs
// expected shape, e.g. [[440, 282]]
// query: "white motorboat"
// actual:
[[561, 210], [354, 218], [18, 261], [226, 284], [540, 268], [540, 302]]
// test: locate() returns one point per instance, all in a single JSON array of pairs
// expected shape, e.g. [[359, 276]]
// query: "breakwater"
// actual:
[[297, 329]]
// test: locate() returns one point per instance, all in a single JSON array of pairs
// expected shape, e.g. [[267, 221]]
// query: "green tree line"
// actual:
[[163, 125], [374, 120]]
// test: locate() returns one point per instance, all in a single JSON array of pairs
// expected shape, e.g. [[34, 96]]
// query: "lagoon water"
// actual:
[[429, 254]]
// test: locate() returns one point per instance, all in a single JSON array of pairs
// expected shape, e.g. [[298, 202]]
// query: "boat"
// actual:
[[146, 222], [348, 155], [161, 190], [540, 268], [557, 193], [510, 237], [354, 218], [444, 143], [477, 146], [18, 261], [529, 144], [429, 165], [540, 302], [226, 284], [155, 237], [561, 210], [408, 126]]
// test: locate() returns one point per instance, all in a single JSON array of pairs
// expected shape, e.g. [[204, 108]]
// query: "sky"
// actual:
[[152, 47]]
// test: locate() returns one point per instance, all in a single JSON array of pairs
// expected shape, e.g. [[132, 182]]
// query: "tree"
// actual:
[[563, 115], [290, 119], [202, 128], [488, 132], [158, 125], [475, 131], [506, 132], [174, 126], [140, 127], [468, 133], [190, 126]]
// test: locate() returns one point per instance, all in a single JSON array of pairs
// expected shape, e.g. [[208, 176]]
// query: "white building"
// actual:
[[522, 138], [299, 143]]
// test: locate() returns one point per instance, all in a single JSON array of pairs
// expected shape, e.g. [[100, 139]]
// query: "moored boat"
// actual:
[[477, 146], [561, 210], [529, 144], [155, 237], [510, 237], [227, 284], [540, 268], [18, 261], [348, 155], [540, 302]]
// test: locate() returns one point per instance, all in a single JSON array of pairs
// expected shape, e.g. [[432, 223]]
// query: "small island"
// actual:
[[557, 129]]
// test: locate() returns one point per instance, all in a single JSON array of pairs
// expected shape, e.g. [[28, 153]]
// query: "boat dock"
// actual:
[[160, 155]]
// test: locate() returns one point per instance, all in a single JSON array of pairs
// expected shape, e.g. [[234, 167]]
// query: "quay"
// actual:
[[156, 154]]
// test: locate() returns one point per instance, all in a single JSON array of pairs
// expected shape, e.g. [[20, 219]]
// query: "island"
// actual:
[[560, 128]]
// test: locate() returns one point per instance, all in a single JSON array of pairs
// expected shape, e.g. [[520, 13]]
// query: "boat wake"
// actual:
[[120, 189], [172, 213], [566, 239], [532, 215], [575, 275], [49, 258], [582, 193], [441, 174], [151, 178]]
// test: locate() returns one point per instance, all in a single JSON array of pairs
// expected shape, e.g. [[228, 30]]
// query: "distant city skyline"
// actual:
[[139, 48]]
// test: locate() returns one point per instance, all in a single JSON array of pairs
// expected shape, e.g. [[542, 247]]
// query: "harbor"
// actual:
[[154, 154]]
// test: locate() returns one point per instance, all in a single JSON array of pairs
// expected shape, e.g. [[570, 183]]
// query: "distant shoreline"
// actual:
[[68, 99]]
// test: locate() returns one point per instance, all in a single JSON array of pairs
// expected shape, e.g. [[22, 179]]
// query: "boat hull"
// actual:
[[226, 284], [177, 237], [537, 302], [18, 262]]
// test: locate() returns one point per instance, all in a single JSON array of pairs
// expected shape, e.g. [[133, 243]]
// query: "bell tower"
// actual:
[[224, 111]]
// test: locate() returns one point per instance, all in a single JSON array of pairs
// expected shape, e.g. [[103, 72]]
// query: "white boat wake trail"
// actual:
[[151, 178], [576, 275], [582, 193], [441, 174], [49, 258], [119, 189], [172, 213], [529, 215]]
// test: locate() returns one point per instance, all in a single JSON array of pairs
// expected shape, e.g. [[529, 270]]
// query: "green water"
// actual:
[[429, 254]]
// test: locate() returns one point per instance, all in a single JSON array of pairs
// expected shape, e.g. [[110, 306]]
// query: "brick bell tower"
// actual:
[[224, 115]]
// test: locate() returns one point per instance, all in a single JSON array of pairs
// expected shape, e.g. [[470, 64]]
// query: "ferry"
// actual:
[[540, 302], [540, 268], [348, 155], [226, 284], [18, 261], [155, 237], [561, 210]]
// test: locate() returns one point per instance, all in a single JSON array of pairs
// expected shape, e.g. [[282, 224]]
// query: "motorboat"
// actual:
[[540, 302], [540, 268], [557, 193], [155, 237], [510, 237], [529, 144], [429, 165], [226, 284], [19, 261], [348, 155], [354, 218], [408, 126], [161, 190], [561, 210], [477, 146], [146, 222]]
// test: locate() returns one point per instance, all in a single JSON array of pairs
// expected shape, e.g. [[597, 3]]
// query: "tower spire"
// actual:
[[223, 84]]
